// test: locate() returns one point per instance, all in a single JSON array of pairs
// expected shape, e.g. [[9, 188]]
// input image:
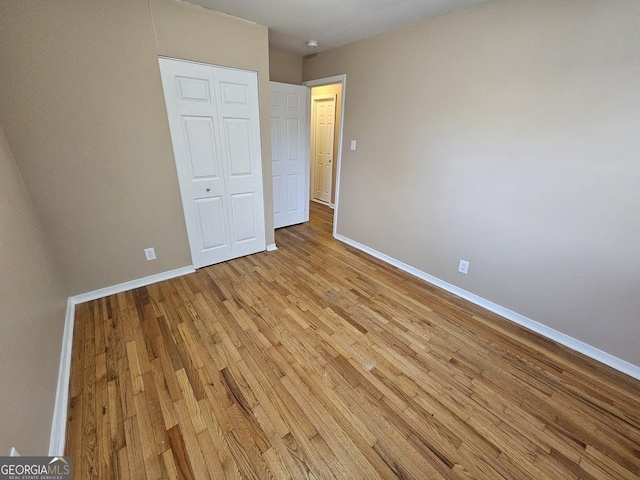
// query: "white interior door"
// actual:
[[289, 153], [215, 130], [324, 121]]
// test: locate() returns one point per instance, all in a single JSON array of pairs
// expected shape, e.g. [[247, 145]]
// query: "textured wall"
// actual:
[[32, 307], [285, 67], [82, 106], [507, 135]]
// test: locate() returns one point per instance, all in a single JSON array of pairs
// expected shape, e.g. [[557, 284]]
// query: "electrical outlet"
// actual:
[[463, 267], [353, 144], [150, 254]]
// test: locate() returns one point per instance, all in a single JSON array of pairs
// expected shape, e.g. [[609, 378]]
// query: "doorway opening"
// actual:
[[326, 127], [325, 124]]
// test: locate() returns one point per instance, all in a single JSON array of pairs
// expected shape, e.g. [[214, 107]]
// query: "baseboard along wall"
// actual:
[[548, 332], [59, 422]]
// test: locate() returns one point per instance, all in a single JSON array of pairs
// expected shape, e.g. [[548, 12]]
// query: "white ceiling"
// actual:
[[331, 22]]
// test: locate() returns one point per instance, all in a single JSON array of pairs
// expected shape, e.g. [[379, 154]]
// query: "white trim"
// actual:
[[59, 422], [324, 81], [320, 202], [308, 169], [271, 247], [332, 206], [14, 452], [140, 282], [327, 81], [548, 332]]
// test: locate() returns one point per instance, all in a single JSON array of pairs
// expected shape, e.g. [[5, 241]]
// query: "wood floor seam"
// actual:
[[317, 361]]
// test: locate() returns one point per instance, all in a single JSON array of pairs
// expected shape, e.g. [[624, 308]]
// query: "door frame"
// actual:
[[342, 79], [312, 185]]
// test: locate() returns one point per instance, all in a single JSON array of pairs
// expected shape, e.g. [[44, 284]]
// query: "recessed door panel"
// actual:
[[293, 135], [293, 185], [277, 194], [237, 133], [193, 89], [318, 175], [210, 215], [201, 155], [275, 139], [293, 101], [234, 93], [326, 180], [244, 217]]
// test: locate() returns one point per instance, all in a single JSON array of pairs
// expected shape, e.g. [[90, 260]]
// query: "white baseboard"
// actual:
[[559, 337], [271, 247], [14, 452], [140, 282], [59, 423], [326, 204]]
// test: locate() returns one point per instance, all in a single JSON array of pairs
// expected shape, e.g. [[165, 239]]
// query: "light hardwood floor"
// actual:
[[317, 361]]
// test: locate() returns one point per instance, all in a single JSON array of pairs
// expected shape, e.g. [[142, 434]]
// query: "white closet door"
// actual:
[[289, 153], [237, 101], [214, 123]]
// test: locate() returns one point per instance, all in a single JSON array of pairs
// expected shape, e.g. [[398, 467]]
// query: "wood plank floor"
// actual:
[[317, 361]]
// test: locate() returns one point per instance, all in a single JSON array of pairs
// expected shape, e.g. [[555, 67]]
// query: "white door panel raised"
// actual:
[[290, 154], [214, 122], [324, 113]]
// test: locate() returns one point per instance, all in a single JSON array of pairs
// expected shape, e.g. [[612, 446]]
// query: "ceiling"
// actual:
[[331, 22]]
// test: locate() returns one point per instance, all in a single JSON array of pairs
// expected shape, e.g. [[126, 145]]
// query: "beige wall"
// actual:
[[195, 33], [336, 90], [32, 307], [82, 106], [507, 135], [285, 67]]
